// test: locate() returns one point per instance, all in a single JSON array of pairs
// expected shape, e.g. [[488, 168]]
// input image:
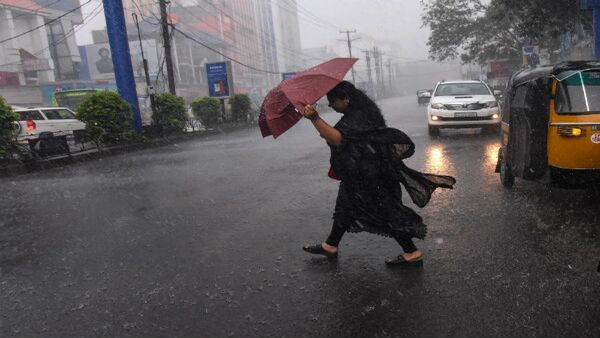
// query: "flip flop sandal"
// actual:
[[317, 249], [401, 262]]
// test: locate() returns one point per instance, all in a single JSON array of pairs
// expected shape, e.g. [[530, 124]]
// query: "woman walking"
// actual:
[[367, 157]]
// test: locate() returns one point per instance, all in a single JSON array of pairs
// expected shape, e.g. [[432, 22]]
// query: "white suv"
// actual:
[[49, 122], [463, 104]]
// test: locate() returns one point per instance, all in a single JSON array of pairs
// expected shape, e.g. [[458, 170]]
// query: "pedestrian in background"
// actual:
[[366, 157]]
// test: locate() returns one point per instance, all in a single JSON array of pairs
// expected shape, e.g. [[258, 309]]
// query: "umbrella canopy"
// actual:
[[284, 104]]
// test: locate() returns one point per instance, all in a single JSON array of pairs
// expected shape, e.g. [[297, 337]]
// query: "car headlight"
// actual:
[[437, 106], [491, 104]]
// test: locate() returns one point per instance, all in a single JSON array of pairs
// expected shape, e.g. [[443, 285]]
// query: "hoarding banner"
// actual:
[[100, 66], [219, 79], [531, 55]]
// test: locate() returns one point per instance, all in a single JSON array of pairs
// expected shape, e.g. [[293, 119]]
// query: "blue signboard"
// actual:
[[286, 76], [219, 79]]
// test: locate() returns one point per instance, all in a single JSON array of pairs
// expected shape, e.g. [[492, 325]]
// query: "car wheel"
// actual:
[[434, 131], [506, 177]]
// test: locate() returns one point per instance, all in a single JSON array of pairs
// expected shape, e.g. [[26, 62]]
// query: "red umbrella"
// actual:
[[284, 104]]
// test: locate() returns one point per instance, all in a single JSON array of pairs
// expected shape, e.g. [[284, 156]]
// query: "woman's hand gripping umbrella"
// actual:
[[284, 104]]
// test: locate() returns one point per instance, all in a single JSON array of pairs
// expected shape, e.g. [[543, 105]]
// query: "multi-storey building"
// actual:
[[279, 29], [37, 45]]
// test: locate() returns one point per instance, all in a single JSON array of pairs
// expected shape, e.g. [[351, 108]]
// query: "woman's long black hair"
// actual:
[[358, 101]]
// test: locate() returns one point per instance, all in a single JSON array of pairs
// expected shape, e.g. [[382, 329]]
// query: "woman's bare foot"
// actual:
[[321, 249], [412, 256], [329, 248]]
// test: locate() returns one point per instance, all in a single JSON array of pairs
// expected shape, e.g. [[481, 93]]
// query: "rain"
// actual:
[[299, 168]]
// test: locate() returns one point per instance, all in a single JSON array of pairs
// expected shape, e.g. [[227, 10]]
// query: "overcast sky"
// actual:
[[396, 22], [385, 21]]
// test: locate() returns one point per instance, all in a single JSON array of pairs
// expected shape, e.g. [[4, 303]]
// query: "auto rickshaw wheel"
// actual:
[[506, 178]]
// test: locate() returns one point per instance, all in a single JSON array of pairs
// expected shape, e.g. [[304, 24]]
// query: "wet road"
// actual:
[[203, 239]]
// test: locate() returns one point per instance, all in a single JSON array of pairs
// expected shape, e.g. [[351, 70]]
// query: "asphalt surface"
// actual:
[[204, 239]]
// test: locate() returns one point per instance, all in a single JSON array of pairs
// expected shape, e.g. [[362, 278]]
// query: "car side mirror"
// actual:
[[497, 92], [426, 94]]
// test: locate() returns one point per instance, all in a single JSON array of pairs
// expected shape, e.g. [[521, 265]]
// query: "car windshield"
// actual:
[[578, 92], [458, 89]]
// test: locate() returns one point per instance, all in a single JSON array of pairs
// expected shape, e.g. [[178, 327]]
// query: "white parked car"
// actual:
[[49, 121], [463, 104]]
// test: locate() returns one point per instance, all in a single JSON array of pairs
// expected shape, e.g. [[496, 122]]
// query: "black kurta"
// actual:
[[369, 164]]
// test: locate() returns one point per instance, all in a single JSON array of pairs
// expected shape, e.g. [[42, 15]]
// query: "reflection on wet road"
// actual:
[[203, 239]]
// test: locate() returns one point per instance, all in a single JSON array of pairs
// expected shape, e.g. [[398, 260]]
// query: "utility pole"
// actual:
[[368, 60], [378, 73], [390, 74], [167, 45], [149, 89], [347, 32], [119, 49], [381, 71]]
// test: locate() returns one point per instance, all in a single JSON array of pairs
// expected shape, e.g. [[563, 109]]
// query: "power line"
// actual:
[[239, 50], [33, 11], [270, 36], [69, 33], [225, 56], [142, 15], [45, 24]]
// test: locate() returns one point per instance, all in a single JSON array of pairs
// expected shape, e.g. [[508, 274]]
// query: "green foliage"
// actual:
[[8, 143], [107, 117], [240, 107], [207, 109], [478, 30], [170, 112]]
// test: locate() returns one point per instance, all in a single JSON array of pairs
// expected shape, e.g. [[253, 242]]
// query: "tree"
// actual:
[[107, 117], [477, 30], [170, 112], [8, 127], [240, 107], [207, 109]]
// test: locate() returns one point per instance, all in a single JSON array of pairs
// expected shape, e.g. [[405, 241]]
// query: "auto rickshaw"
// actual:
[[551, 126]]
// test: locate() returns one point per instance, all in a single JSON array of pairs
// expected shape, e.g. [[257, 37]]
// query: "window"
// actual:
[[578, 92], [457, 89], [65, 114], [30, 115], [58, 114]]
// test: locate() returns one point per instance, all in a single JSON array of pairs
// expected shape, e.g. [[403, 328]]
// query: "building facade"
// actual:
[[279, 29], [38, 46]]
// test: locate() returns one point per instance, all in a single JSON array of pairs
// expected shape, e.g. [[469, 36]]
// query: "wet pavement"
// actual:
[[204, 239]]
